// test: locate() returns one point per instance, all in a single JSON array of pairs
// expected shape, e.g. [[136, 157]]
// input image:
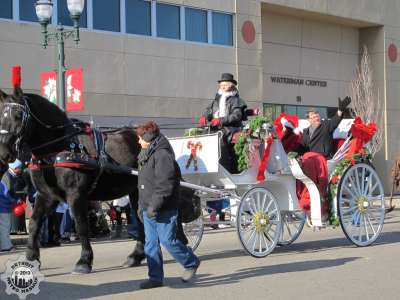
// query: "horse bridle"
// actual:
[[27, 115], [8, 109]]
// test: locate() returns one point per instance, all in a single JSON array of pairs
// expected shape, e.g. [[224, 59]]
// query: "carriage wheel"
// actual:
[[259, 222], [292, 225], [194, 232], [361, 205]]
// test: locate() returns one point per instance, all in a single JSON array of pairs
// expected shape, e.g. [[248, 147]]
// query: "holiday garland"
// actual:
[[337, 175], [194, 131]]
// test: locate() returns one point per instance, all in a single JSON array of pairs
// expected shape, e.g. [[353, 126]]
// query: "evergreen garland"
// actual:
[[194, 131], [337, 175]]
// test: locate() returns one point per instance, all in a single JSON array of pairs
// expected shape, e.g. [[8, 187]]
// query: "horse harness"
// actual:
[[76, 157]]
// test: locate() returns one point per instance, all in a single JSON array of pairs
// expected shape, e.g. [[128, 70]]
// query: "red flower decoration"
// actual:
[[353, 162], [334, 179]]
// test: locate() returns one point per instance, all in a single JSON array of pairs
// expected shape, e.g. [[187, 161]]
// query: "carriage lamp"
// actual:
[[44, 12]]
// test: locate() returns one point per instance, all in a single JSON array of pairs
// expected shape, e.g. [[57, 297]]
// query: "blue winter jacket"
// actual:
[[5, 199]]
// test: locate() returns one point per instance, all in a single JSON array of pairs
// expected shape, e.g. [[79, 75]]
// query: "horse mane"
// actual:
[[49, 113]]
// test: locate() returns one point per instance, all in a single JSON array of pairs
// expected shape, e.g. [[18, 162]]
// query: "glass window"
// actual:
[[27, 11], [168, 21], [222, 29], [138, 17], [6, 9], [106, 15], [65, 19], [196, 25], [271, 111]]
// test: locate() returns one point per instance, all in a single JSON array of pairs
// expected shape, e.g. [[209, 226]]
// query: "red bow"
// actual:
[[265, 159], [362, 134]]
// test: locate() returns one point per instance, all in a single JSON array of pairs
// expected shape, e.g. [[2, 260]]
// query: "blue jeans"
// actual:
[[162, 229]]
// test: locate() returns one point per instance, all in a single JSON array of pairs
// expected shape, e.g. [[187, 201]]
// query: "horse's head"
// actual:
[[13, 117]]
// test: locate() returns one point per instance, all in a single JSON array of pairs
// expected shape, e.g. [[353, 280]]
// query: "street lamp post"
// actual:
[[44, 11]]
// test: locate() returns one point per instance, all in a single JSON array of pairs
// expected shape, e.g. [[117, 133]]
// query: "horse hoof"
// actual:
[[82, 269], [131, 262]]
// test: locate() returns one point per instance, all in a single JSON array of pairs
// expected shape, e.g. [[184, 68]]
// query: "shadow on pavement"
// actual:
[[207, 281], [53, 290]]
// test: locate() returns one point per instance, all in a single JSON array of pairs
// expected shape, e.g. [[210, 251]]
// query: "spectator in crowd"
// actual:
[[17, 187], [5, 218], [121, 205]]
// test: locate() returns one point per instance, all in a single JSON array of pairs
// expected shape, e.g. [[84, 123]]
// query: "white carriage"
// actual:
[[266, 213]]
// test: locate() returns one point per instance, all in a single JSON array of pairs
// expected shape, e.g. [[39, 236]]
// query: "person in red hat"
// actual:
[[226, 113]]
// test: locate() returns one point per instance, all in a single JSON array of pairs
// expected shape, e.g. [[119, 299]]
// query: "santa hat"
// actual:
[[16, 76], [289, 121]]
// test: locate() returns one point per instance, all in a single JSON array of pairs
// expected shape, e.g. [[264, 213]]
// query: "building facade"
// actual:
[[161, 59]]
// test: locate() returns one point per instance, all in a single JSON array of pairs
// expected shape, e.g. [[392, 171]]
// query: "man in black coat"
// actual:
[[159, 184], [318, 136], [318, 144], [226, 112]]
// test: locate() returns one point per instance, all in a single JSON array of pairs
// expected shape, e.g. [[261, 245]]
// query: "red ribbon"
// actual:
[[264, 161], [362, 134]]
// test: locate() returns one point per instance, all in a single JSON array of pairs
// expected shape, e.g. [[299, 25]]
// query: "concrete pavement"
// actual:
[[320, 265]]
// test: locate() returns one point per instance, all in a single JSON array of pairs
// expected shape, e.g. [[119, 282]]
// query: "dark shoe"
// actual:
[[188, 274], [150, 284], [132, 262]]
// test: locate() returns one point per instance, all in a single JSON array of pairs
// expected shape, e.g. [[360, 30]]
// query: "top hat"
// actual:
[[227, 77]]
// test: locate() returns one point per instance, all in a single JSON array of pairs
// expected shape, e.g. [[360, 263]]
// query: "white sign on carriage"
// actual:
[[196, 154]]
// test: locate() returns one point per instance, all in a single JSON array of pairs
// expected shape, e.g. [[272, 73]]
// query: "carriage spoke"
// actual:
[[373, 188], [263, 202], [258, 202], [366, 226], [269, 204], [357, 179], [349, 191], [362, 181], [371, 225], [353, 187], [349, 210]]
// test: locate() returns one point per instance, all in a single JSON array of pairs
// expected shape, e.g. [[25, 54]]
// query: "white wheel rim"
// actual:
[[292, 225], [194, 232], [259, 222], [361, 204]]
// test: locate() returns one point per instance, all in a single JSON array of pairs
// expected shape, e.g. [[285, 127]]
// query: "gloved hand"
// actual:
[[344, 103], [203, 121], [151, 213], [216, 122]]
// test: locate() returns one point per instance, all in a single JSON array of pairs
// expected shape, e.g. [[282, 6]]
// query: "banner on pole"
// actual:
[[73, 90]]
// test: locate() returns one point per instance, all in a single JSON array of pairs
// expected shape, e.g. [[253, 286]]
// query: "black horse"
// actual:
[[31, 120]]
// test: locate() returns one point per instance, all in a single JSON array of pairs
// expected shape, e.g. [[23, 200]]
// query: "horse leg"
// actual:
[[137, 255], [42, 207], [80, 210]]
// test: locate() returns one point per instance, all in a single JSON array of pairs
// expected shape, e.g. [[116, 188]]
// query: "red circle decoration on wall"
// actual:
[[248, 32], [392, 52]]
